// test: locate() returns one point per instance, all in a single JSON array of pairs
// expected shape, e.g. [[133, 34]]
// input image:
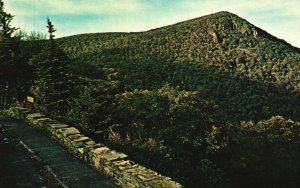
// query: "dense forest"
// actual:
[[210, 102]]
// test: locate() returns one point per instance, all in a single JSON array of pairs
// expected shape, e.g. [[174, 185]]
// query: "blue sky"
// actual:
[[279, 17]]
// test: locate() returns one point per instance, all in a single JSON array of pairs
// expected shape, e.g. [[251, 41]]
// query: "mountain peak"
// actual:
[[222, 13], [223, 24]]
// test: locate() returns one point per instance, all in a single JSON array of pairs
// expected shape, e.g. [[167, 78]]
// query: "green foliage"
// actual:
[[245, 65], [5, 23], [52, 86], [180, 128], [12, 69], [32, 36], [264, 154], [91, 108], [6, 43]]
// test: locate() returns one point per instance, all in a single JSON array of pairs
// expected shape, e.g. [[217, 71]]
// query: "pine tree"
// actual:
[[52, 86], [8, 57]]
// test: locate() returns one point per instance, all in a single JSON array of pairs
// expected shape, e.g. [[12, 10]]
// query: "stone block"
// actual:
[[67, 131], [87, 151], [97, 145], [80, 139], [89, 142], [73, 137], [108, 157], [100, 151], [94, 157], [130, 173], [147, 177], [123, 164], [31, 117], [52, 127], [41, 121], [18, 112]]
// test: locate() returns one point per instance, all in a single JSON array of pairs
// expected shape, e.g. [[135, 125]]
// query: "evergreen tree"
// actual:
[[52, 86], [8, 58]]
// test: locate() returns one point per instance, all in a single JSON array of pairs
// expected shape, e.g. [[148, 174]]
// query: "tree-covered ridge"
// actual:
[[248, 72], [222, 40]]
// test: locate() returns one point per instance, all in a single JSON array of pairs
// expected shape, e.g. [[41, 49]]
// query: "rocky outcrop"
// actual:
[[215, 37]]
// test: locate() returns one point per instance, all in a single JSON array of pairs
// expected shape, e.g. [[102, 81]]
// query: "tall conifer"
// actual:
[[8, 54], [52, 86]]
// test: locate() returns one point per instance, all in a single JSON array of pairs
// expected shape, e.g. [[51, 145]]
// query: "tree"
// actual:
[[182, 130], [6, 29], [262, 154], [8, 58], [32, 36], [53, 82], [91, 109]]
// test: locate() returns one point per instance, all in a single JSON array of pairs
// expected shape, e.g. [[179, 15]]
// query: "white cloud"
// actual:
[[73, 6], [19, 7], [86, 6], [93, 6]]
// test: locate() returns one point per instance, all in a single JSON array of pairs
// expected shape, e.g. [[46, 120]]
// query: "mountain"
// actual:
[[247, 72], [210, 102]]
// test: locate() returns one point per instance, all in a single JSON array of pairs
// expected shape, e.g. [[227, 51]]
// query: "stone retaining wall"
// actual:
[[115, 164]]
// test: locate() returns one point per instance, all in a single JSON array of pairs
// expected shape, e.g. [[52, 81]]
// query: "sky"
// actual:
[[281, 18]]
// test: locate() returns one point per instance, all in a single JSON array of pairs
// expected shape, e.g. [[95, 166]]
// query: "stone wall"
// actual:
[[115, 164]]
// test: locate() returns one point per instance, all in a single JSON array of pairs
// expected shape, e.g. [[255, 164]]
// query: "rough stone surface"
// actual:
[[31, 117], [56, 126], [113, 156], [68, 131], [40, 121]]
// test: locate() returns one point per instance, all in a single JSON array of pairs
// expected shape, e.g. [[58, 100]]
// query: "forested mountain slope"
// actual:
[[248, 73], [210, 102]]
